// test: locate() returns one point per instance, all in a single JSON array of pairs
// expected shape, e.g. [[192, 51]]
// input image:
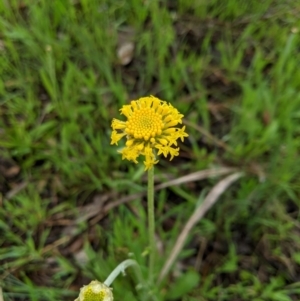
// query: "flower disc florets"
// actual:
[[151, 125], [95, 291]]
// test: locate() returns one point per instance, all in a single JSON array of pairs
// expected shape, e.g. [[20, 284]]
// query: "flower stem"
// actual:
[[151, 221], [119, 269]]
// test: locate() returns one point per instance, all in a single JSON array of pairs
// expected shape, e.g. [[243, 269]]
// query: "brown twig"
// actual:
[[196, 176], [209, 201]]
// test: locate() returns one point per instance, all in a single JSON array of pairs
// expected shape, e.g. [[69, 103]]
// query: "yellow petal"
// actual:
[[115, 137], [171, 123]]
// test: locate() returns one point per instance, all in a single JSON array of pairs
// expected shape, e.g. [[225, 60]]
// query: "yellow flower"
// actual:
[[150, 130], [95, 291]]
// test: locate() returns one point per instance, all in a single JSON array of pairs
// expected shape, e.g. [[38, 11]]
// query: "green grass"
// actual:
[[231, 67]]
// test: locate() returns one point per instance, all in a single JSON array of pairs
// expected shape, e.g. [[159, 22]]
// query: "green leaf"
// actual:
[[183, 285]]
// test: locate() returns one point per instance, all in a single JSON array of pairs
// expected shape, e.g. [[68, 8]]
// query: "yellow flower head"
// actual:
[[95, 291], [150, 130]]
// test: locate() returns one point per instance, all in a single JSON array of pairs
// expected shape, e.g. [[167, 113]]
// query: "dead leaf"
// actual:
[[125, 53], [11, 171]]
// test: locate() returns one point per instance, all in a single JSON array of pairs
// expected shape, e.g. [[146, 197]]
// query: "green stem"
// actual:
[[119, 269], [151, 222]]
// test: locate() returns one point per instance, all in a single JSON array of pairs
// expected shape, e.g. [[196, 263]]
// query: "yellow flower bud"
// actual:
[[95, 291]]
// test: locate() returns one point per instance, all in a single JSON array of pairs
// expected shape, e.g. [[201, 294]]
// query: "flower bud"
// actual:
[[95, 291]]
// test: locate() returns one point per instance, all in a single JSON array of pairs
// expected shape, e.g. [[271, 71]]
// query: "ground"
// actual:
[[71, 209]]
